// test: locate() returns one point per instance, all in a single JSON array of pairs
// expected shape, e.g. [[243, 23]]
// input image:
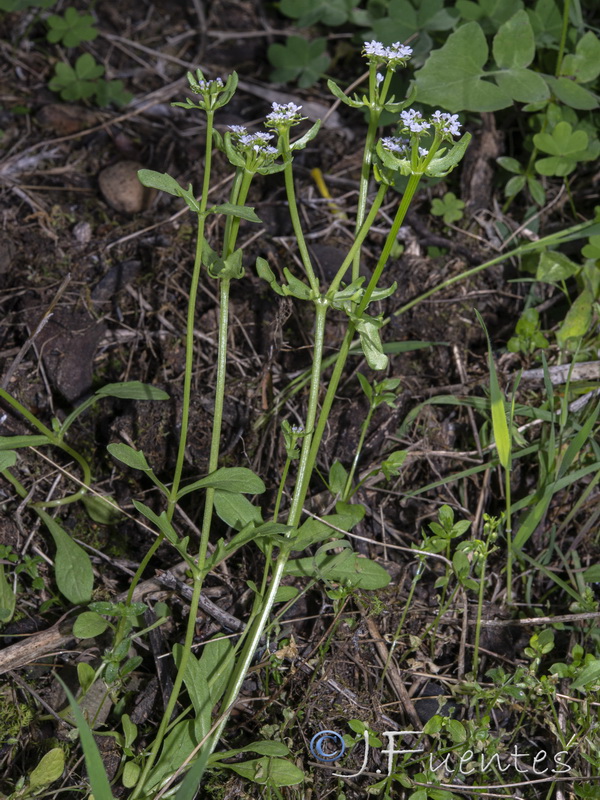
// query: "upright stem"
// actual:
[[189, 338], [365, 176], [257, 625], [295, 217], [563, 37]]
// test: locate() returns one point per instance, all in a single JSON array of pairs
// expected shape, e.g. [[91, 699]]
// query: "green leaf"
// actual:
[[562, 141], [523, 85], [589, 674], [310, 12], [85, 675], [554, 267], [265, 272], [514, 44], [298, 60], [176, 748], [584, 64], [235, 509], [93, 760], [72, 565], [132, 390], [449, 207], [295, 287], [26, 440], [348, 569], [161, 521], [100, 510], [8, 458], [268, 771], [231, 479], [338, 475], [510, 164], [577, 322], [454, 76], [572, 94], [71, 29], [502, 436], [7, 598], [87, 69], [370, 341], [49, 769], [88, 625], [127, 455], [131, 774], [243, 212]]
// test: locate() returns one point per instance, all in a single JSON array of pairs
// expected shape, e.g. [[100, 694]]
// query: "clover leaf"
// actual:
[[299, 60], [71, 29], [566, 148], [78, 82], [449, 207]]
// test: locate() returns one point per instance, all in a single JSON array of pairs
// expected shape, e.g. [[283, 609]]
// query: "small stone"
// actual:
[[122, 190], [82, 232]]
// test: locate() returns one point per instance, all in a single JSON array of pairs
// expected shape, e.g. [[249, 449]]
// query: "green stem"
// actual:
[[508, 530], [479, 615], [563, 37], [358, 240], [365, 176], [294, 215], [189, 338], [257, 625], [177, 684], [213, 461], [55, 440], [361, 441]]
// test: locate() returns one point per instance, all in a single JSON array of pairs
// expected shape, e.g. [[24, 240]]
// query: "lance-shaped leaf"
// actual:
[[310, 134], [165, 183], [231, 210], [439, 167], [230, 479], [370, 341], [353, 103], [266, 273], [72, 565]]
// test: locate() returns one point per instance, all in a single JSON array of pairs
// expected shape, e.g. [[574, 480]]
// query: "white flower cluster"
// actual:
[[257, 141], [395, 144], [448, 123], [401, 146], [393, 54], [414, 121], [284, 112], [207, 86]]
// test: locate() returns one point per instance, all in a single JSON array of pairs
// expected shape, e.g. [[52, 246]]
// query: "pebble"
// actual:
[[122, 190]]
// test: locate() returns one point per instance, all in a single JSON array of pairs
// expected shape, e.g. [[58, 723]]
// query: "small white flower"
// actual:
[[448, 123], [395, 144], [398, 51], [237, 129], [297, 429], [423, 152], [379, 78], [414, 121], [374, 48], [284, 112]]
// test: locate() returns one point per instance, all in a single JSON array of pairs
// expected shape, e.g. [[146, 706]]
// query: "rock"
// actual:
[[122, 190], [64, 119]]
